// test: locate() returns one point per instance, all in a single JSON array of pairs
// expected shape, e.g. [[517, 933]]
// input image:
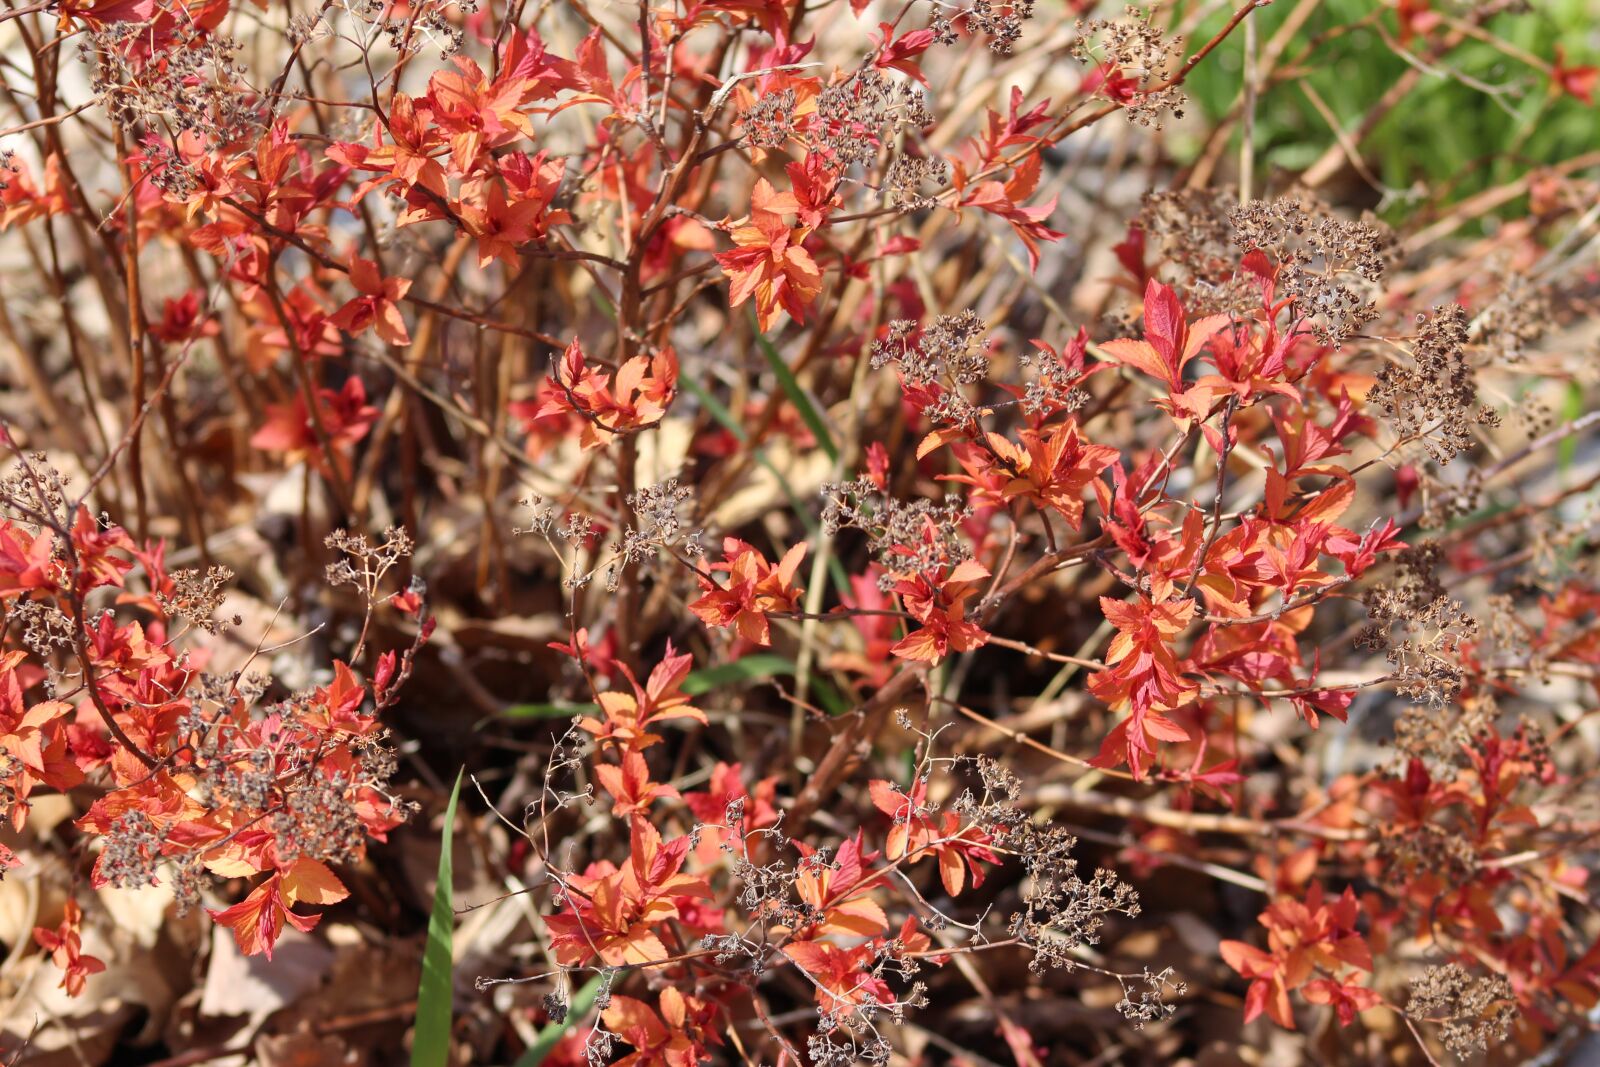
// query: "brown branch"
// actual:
[[1195, 822]]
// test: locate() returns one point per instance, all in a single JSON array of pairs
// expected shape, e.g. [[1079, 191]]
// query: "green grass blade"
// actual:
[[723, 416], [758, 667], [754, 668], [720, 412], [430, 1045], [1572, 409], [799, 398], [545, 1043], [543, 711]]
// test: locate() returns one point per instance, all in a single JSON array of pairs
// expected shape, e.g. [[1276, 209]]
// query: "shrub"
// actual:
[[905, 594]]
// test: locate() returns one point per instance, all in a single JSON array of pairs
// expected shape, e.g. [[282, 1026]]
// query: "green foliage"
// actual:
[[435, 995], [551, 1035], [1447, 138], [814, 419], [757, 667]]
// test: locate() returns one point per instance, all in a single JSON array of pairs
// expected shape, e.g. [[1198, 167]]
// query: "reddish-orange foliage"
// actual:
[[1167, 541]]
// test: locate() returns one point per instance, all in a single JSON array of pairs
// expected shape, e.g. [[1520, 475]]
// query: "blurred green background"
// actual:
[[1475, 118]]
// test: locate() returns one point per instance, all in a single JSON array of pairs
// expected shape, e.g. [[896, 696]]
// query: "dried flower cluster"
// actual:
[[201, 777]]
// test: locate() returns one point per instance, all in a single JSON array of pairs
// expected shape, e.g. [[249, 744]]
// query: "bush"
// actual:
[[872, 620]]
